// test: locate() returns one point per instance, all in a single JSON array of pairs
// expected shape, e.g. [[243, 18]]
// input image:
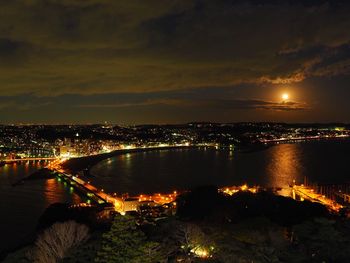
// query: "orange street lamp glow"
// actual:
[[285, 96]]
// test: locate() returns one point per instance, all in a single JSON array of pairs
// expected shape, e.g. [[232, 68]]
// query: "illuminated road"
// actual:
[[29, 159], [309, 194], [118, 203], [305, 138], [91, 190], [123, 205]]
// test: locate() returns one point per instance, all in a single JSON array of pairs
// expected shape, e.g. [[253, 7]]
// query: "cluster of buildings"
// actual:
[[18, 141], [304, 134]]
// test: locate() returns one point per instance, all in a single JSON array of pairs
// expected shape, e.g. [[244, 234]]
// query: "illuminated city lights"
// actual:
[[175, 131], [235, 189], [202, 252]]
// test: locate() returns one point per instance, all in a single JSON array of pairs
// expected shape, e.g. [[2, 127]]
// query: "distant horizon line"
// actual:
[[171, 124]]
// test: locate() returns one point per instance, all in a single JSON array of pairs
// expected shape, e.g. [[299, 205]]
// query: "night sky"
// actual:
[[168, 61]]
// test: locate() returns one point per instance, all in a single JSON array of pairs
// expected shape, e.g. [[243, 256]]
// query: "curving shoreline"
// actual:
[[79, 164], [91, 161]]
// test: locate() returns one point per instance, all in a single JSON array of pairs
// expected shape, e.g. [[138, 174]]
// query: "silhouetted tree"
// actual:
[[55, 242], [321, 241], [125, 242], [199, 203]]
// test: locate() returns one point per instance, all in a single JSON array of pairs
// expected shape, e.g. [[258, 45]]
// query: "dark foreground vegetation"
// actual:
[[208, 227]]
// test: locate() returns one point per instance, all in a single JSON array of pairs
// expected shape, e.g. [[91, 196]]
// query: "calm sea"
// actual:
[[22, 205], [168, 170]]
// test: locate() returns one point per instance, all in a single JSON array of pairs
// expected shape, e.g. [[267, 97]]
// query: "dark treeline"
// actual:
[[208, 227], [206, 203]]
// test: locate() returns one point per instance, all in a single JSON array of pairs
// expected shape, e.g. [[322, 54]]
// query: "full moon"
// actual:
[[285, 96]]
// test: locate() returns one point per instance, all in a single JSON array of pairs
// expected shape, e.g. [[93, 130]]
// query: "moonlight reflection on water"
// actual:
[[278, 166]]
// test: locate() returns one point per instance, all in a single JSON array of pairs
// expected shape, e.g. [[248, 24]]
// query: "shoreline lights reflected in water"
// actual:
[[22, 205], [166, 170], [181, 169]]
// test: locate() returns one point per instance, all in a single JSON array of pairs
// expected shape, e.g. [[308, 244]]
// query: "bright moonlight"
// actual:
[[285, 96]]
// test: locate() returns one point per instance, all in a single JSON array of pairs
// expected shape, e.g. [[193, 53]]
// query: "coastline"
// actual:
[[92, 159], [79, 164], [85, 163], [40, 174]]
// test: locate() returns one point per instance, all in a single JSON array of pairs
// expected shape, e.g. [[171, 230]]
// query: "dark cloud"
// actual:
[[176, 99], [8, 47], [100, 46], [124, 54], [258, 105], [207, 104]]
